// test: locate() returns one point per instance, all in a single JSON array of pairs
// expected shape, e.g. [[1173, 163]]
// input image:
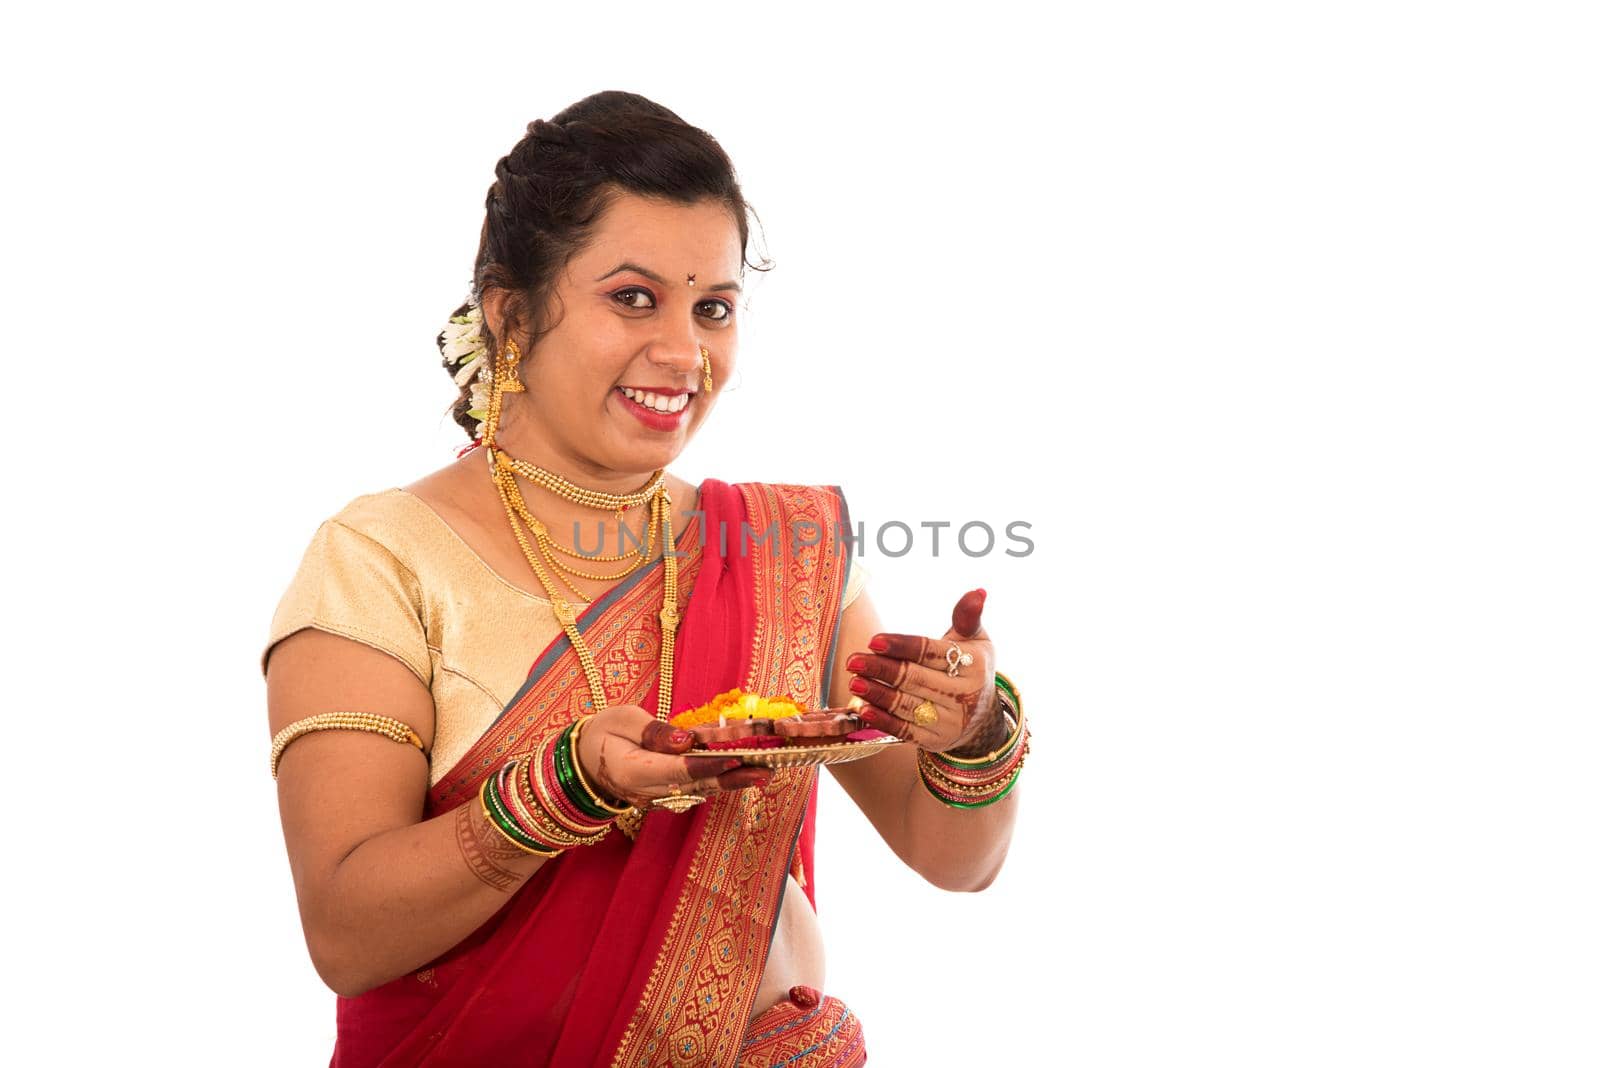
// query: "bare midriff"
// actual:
[[796, 957]]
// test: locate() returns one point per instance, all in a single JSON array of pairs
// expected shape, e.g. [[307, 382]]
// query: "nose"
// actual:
[[677, 350]]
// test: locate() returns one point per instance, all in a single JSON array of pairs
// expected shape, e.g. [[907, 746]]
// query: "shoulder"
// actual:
[[393, 521], [386, 516], [357, 577]]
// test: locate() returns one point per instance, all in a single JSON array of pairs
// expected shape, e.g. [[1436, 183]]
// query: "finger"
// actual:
[[888, 698], [702, 787], [883, 668], [912, 647], [744, 778], [966, 618], [695, 768], [960, 694], [915, 678], [662, 737], [642, 773], [879, 720], [740, 778]]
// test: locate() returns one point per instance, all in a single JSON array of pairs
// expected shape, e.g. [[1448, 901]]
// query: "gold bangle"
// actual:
[[483, 806], [995, 754], [577, 766], [388, 726], [554, 836], [533, 798], [932, 768]]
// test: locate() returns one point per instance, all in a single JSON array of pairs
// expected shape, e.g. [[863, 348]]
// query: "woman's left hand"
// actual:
[[910, 692]]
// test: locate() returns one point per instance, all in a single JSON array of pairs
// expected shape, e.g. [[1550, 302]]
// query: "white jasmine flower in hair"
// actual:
[[463, 336], [468, 369], [480, 398]]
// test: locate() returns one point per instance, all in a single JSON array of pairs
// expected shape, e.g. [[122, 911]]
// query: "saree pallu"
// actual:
[[646, 952]]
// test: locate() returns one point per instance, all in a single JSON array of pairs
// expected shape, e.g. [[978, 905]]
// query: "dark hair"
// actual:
[[552, 188]]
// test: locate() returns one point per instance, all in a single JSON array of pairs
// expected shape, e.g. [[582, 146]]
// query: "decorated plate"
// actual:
[[800, 756]]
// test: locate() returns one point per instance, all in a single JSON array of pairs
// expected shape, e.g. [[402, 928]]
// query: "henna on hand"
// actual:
[[992, 731]]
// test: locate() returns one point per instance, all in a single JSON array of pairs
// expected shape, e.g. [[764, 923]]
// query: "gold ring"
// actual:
[[925, 714], [677, 800]]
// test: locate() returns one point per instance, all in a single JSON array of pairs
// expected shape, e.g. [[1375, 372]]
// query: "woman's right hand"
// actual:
[[629, 755]]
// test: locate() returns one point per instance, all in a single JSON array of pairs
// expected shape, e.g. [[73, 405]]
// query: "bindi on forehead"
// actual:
[[660, 279]]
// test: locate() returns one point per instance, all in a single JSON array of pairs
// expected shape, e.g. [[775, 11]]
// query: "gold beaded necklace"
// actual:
[[503, 469], [661, 516]]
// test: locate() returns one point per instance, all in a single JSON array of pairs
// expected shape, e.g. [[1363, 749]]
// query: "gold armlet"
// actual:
[[371, 722]]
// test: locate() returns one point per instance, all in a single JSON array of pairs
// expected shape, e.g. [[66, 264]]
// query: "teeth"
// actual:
[[659, 403]]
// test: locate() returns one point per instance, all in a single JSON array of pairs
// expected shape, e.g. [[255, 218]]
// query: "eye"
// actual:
[[720, 309], [628, 298]]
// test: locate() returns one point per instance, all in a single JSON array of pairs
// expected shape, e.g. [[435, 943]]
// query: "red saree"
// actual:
[[646, 952]]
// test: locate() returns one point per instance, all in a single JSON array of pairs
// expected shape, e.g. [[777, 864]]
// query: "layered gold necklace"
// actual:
[[504, 469], [553, 551]]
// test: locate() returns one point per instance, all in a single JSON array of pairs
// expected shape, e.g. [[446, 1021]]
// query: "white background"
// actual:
[[1277, 321]]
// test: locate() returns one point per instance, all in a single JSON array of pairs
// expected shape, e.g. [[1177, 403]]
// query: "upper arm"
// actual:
[[337, 788], [347, 637]]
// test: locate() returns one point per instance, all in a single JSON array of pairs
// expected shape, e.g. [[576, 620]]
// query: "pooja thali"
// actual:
[[779, 732], [800, 756]]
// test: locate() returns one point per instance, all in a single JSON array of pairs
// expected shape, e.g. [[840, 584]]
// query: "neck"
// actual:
[[578, 526]]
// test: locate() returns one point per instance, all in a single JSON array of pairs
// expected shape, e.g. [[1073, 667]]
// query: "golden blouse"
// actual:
[[387, 571]]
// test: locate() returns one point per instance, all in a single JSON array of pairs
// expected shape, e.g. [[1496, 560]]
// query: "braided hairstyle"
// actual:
[[551, 189]]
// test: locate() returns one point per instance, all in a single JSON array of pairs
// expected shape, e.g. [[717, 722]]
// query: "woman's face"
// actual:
[[616, 386]]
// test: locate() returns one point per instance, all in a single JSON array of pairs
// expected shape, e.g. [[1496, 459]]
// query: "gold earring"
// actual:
[[503, 381], [705, 367], [509, 355]]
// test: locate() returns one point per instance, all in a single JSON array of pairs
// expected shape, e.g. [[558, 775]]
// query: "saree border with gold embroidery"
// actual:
[[697, 997]]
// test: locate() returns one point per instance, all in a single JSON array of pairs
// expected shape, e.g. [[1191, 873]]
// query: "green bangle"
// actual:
[[570, 775], [494, 808], [1003, 683]]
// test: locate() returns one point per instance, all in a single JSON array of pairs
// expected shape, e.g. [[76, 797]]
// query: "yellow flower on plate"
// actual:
[[736, 704]]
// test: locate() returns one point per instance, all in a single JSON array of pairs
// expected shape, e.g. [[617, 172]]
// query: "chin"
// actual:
[[638, 452], [637, 457]]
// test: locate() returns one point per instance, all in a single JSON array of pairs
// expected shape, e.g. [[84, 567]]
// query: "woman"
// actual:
[[501, 887]]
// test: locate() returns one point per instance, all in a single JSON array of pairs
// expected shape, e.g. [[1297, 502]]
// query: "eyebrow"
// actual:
[[658, 280]]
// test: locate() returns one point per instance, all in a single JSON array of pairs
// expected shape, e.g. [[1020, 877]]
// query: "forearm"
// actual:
[[958, 849], [403, 897]]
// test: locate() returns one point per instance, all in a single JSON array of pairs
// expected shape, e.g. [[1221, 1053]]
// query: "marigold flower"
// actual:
[[735, 704]]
